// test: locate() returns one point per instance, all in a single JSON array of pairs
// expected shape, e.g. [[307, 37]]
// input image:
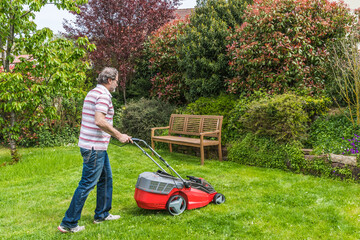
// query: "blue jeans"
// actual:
[[96, 171]]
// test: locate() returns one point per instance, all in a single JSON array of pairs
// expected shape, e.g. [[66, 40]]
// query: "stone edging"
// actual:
[[335, 158]]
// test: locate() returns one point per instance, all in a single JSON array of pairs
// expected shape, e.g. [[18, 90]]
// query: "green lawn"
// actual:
[[260, 203]]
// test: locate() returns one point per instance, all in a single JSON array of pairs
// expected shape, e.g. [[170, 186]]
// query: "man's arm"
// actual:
[[101, 122]]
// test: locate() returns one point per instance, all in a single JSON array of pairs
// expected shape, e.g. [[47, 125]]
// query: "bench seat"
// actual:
[[187, 141], [201, 127]]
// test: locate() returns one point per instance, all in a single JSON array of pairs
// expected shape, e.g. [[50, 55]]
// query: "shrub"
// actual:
[[168, 87], [281, 117], [330, 134], [311, 105], [140, 116], [222, 106], [64, 136], [238, 116], [284, 44], [49, 136], [235, 128], [203, 46], [161, 50], [266, 152], [316, 106], [139, 86], [60, 131]]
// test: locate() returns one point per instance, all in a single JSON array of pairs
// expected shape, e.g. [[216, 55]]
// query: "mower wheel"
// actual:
[[176, 205], [219, 198]]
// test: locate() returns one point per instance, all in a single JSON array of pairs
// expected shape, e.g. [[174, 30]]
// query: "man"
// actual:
[[95, 133]]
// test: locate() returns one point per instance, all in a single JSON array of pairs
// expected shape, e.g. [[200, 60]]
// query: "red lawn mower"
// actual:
[[161, 190]]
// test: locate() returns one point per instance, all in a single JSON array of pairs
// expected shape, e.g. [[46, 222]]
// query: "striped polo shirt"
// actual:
[[91, 136]]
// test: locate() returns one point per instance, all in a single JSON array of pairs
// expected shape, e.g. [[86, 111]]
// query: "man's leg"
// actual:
[[92, 167], [104, 191]]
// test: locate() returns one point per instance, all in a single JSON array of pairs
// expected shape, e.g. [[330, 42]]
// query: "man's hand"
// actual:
[[124, 138]]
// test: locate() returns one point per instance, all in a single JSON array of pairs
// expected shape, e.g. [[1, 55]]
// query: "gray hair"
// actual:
[[106, 73]]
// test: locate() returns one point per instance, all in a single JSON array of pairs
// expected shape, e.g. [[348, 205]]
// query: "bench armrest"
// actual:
[[157, 128], [208, 133]]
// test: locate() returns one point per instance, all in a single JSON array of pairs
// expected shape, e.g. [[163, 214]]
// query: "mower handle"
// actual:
[[147, 145], [135, 140]]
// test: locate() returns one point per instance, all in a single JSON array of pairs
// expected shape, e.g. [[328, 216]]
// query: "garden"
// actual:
[[284, 74], [261, 203]]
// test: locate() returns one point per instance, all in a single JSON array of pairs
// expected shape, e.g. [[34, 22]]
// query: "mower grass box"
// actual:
[[161, 190]]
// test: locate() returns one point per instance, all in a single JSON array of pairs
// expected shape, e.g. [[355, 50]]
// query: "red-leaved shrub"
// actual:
[[284, 45], [161, 48]]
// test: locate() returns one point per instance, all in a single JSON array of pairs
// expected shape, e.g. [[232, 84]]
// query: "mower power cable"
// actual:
[[120, 145]]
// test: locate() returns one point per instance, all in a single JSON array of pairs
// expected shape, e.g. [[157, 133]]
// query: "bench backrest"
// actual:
[[195, 124]]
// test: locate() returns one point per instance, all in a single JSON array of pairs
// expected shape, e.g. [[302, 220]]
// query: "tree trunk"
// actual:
[[14, 154], [124, 90], [124, 94]]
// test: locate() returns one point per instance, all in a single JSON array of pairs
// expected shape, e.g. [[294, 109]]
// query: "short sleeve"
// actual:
[[102, 103]]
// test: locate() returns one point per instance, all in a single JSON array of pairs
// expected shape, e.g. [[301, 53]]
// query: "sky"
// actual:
[[51, 17]]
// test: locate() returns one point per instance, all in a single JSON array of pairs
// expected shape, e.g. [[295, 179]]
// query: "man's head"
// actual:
[[109, 78]]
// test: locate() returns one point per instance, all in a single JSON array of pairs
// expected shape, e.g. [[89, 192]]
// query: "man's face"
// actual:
[[113, 84]]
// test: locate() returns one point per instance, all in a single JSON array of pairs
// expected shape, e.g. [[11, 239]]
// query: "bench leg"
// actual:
[[170, 147], [152, 146], [220, 153], [202, 155]]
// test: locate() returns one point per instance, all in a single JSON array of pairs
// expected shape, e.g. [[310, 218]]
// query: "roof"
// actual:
[[182, 13], [17, 58]]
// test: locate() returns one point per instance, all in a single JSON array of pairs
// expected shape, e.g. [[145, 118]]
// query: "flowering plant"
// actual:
[[161, 48], [354, 145], [283, 44]]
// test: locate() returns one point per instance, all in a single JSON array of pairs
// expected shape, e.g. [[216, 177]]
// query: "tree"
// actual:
[[346, 70], [203, 46], [161, 50], [284, 45], [119, 28], [52, 68]]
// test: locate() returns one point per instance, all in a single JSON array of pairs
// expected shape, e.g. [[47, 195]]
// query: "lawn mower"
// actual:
[[162, 191]]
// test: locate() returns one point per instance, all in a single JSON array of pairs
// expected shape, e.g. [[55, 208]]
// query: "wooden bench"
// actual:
[[204, 126]]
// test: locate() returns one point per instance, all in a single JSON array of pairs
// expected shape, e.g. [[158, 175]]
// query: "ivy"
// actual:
[[265, 152]]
